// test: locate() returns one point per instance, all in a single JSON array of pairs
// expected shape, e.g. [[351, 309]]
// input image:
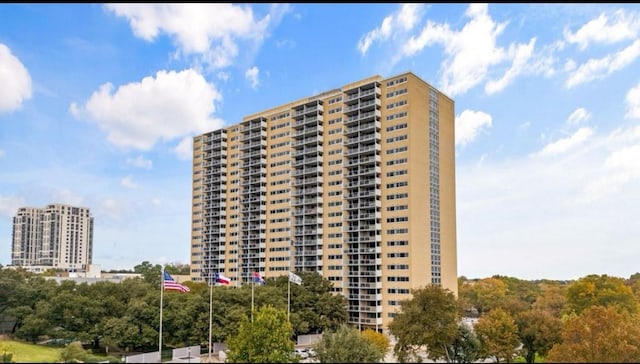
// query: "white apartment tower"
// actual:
[[356, 183], [57, 236]]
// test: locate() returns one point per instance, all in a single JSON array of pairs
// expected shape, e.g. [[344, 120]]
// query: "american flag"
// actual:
[[171, 285]]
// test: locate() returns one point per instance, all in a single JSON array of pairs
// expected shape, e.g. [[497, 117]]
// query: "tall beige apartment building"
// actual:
[[56, 236], [356, 183]]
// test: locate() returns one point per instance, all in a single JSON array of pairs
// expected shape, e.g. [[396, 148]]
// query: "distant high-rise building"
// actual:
[[356, 183], [57, 236]]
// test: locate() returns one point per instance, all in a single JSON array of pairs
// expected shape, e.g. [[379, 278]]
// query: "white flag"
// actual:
[[294, 278]]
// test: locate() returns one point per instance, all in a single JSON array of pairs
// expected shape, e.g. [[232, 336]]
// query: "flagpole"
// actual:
[[210, 312], [161, 296], [253, 283], [289, 299]]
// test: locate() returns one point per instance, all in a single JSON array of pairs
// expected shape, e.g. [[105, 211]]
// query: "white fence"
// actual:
[[190, 354], [152, 357]]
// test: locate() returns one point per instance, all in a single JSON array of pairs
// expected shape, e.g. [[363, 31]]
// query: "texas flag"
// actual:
[[219, 278]]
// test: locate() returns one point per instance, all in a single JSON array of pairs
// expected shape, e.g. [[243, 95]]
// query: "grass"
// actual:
[[30, 353]]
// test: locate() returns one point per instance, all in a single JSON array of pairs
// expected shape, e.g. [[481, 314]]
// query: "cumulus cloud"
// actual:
[[127, 182], [600, 178], [184, 149], [563, 145], [621, 26], [578, 116], [403, 20], [601, 67], [15, 81], [620, 167], [211, 31], [139, 114], [469, 124], [66, 196], [224, 76], [9, 205], [111, 209], [633, 102], [520, 55], [472, 51], [252, 76], [139, 162]]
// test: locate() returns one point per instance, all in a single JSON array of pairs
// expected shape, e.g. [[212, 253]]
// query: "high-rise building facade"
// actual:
[[57, 236], [356, 183]]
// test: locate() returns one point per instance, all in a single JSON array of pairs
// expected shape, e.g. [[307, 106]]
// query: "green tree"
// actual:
[[33, 327], [428, 319], [20, 291], [598, 335], [265, 340], [600, 290], [186, 317], [150, 272], [347, 345], [137, 327], [465, 347], [498, 335], [314, 308], [74, 353], [178, 268], [538, 330]]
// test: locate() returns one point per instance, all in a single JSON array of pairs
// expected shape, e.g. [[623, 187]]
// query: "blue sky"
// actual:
[[99, 104]]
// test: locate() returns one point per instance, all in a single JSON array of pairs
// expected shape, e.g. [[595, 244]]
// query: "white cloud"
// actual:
[[169, 106], [184, 149], [578, 116], [156, 201], [570, 65], [2, 153], [621, 27], [252, 76], [403, 20], [633, 102], [224, 76], [9, 205], [15, 81], [209, 30], [619, 169], [578, 204], [139, 162], [520, 54], [469, 124], [111, 209], [127, 182], [565, 144], [602, 67], [66, 196], [285, 43], [469, 52]]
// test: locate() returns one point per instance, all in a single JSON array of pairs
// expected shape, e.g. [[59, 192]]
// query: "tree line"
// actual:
[[125, 316], [593, 319]]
